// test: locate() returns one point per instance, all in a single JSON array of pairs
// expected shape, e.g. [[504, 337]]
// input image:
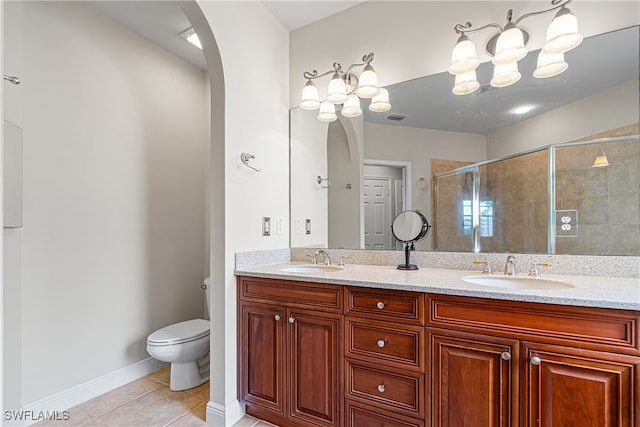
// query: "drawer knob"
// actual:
[[277, 317], [506, 355], [381, 388], [535, 360], [380, 343], [291, 319], [380, 305]]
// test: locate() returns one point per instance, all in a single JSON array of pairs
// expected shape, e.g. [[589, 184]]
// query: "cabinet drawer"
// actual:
[[360, 415], [382, 304], [382, 342], [602, 329], [385, 387], [316, 296]]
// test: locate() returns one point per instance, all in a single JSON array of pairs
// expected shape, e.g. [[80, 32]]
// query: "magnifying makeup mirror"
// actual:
[[409, 227]]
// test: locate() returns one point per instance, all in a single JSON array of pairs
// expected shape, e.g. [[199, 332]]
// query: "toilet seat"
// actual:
[[180, 333]]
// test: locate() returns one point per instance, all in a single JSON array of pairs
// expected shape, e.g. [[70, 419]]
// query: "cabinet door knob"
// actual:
[[535, 360], [277, 317], [380, 343], [506, 355], [381, 388], [291, 319], [380, 305]]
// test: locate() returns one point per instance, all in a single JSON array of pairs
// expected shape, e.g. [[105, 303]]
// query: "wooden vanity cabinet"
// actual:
[[502, 363], [290, 347]]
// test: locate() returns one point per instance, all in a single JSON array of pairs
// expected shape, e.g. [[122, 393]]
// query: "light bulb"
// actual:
[[327, 112], [368, 83], [510, 45], [463, 56], [380, 102], [337, 91], [351, 107], [309, 99]]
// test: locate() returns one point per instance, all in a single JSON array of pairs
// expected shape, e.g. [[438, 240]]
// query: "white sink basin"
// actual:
[[517, 282], [310, 269]]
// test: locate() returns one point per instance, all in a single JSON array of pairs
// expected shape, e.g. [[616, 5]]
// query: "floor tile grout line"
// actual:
[[125, 403]]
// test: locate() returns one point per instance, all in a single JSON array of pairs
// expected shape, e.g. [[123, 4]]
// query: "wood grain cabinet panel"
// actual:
[[401, 346], [473, 380], [361, 415], [573, 387], [315, 296], [384, 304]]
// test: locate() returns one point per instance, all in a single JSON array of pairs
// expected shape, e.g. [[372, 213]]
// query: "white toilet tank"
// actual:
[[207, 294]]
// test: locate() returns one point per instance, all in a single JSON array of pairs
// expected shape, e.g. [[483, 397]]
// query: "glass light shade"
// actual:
[[309, 99], [380, 102], [327, 112], [550, 65], [463, 56], [368, 83], [351, 107], [466, 83], [505, 74], [562, 33], [601, 160], [510, 45], [337, 92]]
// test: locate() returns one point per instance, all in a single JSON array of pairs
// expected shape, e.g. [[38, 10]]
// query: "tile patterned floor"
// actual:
[[147, 402]]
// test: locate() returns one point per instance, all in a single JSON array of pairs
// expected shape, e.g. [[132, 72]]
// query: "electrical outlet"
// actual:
[[279, 226], [266, 226], [298, 226], [307, 226]]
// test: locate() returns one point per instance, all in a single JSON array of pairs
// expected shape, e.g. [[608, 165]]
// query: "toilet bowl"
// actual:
[[186, 346]]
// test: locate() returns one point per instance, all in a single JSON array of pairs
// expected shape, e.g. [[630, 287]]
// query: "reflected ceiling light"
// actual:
[[601, 160], [507, 47], [345, 88], [523, 109], [191, 36]]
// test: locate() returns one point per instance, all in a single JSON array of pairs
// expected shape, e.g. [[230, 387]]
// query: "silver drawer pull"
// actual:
[[380, 343], [277, 317], [380, 305], [292, 320], [381, 388], [506, 355], [535, 360]]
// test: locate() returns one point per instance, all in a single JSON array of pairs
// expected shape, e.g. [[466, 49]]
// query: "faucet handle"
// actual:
[[342, 259], [534, 271], [487, 267], [314, 259]]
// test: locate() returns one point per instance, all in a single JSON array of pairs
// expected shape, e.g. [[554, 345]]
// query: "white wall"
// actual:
[[115, 149], [587, 116], [418, 146], [411, 39], [254, 50]]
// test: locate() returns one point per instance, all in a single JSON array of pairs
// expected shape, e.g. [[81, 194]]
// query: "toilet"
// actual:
[[186, 346]]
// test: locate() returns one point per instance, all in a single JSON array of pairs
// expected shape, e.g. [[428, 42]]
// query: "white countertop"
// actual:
[[588, 291]]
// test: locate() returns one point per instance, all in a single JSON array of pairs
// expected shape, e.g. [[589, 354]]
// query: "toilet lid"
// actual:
[[180, 332]]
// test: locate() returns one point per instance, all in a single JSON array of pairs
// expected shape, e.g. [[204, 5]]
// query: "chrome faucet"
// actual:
[[325, 257], [510, 266]]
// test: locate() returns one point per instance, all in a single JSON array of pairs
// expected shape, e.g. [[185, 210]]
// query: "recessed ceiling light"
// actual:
[[191, 36], [523, 109]]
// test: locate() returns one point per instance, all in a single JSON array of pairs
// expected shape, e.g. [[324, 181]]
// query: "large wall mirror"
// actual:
[[350, 177]]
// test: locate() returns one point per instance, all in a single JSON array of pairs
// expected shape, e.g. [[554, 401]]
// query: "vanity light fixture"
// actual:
[[601, 160], [507, 47], [345, 88]]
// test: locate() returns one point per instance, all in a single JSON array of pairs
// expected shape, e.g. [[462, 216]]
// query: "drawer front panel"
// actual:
[[592, 328], [386, 388], [395, 344], [360, 415], [400, 306], [323, 297]]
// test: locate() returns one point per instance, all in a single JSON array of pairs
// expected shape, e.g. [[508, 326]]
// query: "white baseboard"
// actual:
[[82, 392], [221, 416]]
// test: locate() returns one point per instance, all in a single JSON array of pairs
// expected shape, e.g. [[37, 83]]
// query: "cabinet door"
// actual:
[[474, 380], [315, 354], [262, 351], [574, 387]]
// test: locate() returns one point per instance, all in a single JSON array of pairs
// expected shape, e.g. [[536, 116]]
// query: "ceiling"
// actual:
[[428, 101]]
